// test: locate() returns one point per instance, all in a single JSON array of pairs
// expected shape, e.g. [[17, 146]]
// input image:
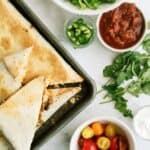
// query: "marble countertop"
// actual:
[[93, 59]]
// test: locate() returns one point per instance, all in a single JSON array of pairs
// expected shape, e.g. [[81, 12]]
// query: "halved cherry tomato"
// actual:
[[103, 143], [87, 132], [123, 144], [80, 142], [114, 143], [89, 144], [110, 130], [97, 128]]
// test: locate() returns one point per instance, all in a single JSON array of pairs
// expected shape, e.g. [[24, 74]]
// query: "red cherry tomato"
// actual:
[[89, 144], [80, 142], [123, 144], [114, 143]]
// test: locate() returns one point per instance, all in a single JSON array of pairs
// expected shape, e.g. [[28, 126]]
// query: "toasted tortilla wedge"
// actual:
[[28, 64], [55, 98], [8, 85], [16, 33], [19, 114], [52, 66], [17, 63]]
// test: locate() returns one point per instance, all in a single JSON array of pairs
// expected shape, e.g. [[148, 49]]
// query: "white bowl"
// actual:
[[73, 9], [122, 126], [88, 21], [141, 122], [115, 49]]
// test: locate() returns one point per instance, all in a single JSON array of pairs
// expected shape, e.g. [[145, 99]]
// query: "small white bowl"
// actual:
[[141, 122], [66, 5], [88, 21], [122, 126], [115, 49]]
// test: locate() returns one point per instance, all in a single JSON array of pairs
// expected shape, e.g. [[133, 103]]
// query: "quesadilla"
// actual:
[[17, 63], [8, 85], [19, 114], [16, 33], [53, 99]]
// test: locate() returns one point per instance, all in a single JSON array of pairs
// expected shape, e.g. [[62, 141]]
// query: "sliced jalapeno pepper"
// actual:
[[79, 32]]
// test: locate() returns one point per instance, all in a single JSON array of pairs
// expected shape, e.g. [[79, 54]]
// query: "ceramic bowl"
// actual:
[[115, 49], [122, 126]]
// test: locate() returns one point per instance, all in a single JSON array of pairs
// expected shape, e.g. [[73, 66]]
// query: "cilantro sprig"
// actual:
[[91, 4], [128, 66]]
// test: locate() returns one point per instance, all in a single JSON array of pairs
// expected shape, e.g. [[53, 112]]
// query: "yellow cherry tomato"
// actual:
[[87, 133], [110, 130], [103, 143], [97, 128]]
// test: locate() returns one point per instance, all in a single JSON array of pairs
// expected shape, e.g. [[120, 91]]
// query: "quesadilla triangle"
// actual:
[[19, 114], [49, 64], [53, 99], [28, 64], [8, 85], [17, 63]]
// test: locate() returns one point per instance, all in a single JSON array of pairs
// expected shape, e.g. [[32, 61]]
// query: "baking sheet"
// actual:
[[69, 110]]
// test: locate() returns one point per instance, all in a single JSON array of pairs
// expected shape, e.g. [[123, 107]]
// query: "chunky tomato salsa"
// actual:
[[122, 27]]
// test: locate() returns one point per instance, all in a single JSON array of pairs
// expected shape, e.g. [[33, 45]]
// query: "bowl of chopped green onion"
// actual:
[[79, 32], [86, 7]]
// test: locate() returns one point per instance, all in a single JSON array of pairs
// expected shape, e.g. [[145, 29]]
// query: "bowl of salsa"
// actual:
[[122, 28]]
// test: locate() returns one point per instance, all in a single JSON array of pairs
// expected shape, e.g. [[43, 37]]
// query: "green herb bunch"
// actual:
[[129, 65], [91, 4]]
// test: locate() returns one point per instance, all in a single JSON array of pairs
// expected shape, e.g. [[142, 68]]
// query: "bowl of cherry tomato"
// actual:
[[103, 133]]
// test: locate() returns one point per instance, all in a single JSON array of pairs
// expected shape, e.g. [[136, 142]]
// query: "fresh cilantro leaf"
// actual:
[[121, 106], [108, 71], [146, 46], [121, 77], [109, 1], [146, 88], [146, 43], [134, 88], [93, 4], [148, 63], [146, 75], [119, 91], [110, 88]]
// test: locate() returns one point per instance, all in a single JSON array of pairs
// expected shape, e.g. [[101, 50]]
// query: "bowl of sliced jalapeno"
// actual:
[[103, 133], [79, 32]]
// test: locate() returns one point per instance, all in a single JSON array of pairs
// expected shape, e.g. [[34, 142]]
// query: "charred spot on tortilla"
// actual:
[[5, 43]]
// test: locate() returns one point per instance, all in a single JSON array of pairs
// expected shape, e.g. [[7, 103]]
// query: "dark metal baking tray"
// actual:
[[58, 121]]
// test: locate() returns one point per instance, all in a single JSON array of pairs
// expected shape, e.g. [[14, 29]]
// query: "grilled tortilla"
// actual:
[[17, 63], [7, 83], [53, 99], [19, 114], [16, 34]]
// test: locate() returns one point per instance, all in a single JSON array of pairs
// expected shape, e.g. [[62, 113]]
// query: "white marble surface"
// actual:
[[93, 59]]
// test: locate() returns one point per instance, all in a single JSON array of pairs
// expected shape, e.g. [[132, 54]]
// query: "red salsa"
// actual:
[[122, 27]]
